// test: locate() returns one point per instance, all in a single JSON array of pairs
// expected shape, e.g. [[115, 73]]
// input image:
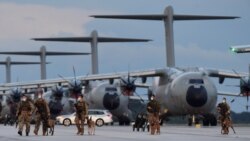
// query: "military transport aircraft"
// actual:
[[103, 94], [168, 17]]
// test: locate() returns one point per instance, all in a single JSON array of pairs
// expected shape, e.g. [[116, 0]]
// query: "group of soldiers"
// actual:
[[42, 113], [25, 109], [40, 107], [153, 109]]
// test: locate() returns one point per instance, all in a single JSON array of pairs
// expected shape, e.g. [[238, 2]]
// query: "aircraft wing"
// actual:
[[219, 73], [222, 74], [142, 85], [221, 93], [225, 73], [143, 73], [65, 81]]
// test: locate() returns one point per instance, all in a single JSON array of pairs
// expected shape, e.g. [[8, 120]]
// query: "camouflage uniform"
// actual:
[[153, 108], [24, 112], [81, 115], [224, 110], [1, 107], [42, 114]]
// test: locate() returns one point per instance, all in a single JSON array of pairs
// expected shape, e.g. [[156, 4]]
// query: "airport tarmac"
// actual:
[[125, 133]]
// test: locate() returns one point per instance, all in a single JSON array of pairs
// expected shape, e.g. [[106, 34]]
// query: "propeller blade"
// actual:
[[74, 71], [139, 97], [235, 97], [65, 79]]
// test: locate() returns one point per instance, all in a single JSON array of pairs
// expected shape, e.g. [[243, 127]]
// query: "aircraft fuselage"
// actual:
[[183, 93]]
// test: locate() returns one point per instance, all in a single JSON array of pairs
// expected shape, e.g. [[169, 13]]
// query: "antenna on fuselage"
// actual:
[[93, 39], [168, 17]]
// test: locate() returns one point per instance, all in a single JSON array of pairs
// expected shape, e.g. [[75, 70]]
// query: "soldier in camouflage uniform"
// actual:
[[1, 107], [23, 114], [224, 110], [81, 114], [42, 113], [153, 108]]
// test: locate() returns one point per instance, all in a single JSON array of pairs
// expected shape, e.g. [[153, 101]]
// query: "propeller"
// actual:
[[75, 85], [244, 87], [57, 91], [128, 85], [15, 94]]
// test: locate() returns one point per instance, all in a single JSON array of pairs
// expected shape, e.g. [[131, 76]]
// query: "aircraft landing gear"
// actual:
[[124, 121], [194, 119], [209, 119]]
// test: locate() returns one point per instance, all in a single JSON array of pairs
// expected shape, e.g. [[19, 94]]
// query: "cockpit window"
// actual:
[[111, 89], [196, 81]]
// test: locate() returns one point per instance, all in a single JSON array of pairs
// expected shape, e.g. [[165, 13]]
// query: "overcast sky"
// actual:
[[197, 43]]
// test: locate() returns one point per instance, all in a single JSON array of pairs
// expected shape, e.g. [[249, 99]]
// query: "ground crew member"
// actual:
[[153, 108], [81, 114], [42, 113], [224, 110], [23, 114]]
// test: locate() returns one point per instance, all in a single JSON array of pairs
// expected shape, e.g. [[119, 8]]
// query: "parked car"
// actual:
[[100, 117]]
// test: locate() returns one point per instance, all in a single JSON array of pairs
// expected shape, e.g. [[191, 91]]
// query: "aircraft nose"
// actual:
[[111, 101], [196, 96]]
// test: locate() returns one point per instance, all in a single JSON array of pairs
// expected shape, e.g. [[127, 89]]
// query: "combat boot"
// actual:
[[20, 133], [78, 130], [81, 131], [35, 132], [27, 133]]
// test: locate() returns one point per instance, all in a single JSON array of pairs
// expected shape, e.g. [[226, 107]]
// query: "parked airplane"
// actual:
[[240, 49], [96, 90], [111, 95], [196, 89]]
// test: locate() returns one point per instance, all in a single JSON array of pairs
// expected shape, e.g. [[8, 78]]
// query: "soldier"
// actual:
[[224, 110], [153, 108], [81, 114], [1, 107], [42, 113], [23, 114]]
